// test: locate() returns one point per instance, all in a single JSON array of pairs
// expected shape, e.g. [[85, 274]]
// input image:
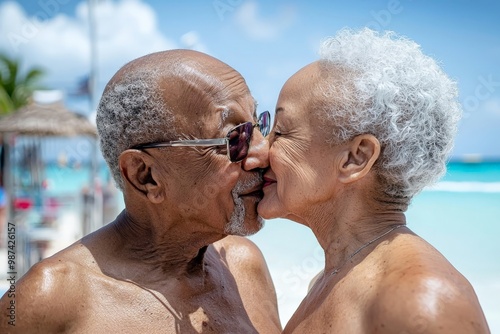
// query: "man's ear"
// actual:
[[139, 172], [358, 158]]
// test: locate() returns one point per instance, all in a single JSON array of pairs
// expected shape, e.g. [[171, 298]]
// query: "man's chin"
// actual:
[[259, 224], [247, 228]]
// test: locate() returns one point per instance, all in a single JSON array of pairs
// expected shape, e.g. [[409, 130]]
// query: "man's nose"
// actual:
[[258, 153]]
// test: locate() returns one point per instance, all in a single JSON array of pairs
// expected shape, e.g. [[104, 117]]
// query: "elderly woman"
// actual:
[[357, 134]]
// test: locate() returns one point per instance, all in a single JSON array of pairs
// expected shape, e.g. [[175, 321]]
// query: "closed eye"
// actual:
[[274, 135]]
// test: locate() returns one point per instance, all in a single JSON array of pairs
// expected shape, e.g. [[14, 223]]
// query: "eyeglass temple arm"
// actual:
[[194, 142]]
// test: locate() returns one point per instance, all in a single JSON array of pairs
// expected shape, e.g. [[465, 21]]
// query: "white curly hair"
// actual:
[[390, 89]]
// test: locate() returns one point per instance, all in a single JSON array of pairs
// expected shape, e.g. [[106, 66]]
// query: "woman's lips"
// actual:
[[268, 181]]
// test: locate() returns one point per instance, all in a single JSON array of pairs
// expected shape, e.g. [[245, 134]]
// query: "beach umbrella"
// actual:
[[39, 120], [35, 122], [45, 117], [47, 120]]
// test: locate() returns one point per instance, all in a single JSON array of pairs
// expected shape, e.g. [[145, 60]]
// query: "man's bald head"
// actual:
[[152, 97]]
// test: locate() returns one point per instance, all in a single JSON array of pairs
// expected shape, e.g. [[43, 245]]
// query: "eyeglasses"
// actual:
[[237, 140]]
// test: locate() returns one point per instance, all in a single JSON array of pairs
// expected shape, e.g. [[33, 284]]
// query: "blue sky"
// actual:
[[265, 41]]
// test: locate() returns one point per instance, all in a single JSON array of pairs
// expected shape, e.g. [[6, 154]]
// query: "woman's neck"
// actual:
[[347, 226]]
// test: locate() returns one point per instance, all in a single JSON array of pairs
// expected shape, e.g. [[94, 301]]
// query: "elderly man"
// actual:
[[178, 132]]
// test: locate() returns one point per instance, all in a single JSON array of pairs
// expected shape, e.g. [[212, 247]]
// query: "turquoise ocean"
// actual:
[[459, 216]]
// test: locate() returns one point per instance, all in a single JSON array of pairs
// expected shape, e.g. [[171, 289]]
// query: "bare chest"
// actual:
[[331, 309], [128, 308]]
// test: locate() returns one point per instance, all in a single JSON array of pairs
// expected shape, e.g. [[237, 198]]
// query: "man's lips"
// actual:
[[268, 181], [255, 191]]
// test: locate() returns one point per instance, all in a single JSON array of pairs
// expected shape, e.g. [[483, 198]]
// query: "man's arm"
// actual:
[[41, 299], [427, 304]]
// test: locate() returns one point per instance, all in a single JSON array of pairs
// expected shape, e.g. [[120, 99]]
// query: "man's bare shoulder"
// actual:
[[425, 294], [249, 269], [49, 294], [240, 249], [244, 259]]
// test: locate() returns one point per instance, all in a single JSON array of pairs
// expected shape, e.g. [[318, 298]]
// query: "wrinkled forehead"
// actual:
[[208, 99], [300, 89], [235, 112]]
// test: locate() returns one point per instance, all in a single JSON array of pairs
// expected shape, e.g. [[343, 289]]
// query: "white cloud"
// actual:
[[126, 30], [258, 28]]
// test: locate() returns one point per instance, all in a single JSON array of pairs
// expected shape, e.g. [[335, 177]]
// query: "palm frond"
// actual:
[[6, 104]]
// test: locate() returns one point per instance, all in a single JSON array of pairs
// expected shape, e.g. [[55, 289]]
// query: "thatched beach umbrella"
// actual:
[[35, 122], [47, 120], [38, 120]]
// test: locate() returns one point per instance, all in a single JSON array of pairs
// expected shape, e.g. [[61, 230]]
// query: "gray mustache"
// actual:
[[248, 184]]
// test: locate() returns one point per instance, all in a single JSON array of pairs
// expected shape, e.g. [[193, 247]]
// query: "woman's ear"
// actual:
[[139, 172], [358, 157]]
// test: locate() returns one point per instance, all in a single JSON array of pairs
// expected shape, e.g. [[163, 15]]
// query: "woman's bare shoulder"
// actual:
[[419, 289]]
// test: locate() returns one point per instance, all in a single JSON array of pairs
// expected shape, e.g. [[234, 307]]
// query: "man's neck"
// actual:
[[171, 250]]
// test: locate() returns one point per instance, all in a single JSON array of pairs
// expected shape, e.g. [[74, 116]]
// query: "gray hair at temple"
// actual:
[[131, 111], [382, 84]]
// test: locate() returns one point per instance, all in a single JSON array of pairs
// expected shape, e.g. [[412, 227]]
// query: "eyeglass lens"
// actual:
[[240, 136], [264, 123], [239, 141]]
